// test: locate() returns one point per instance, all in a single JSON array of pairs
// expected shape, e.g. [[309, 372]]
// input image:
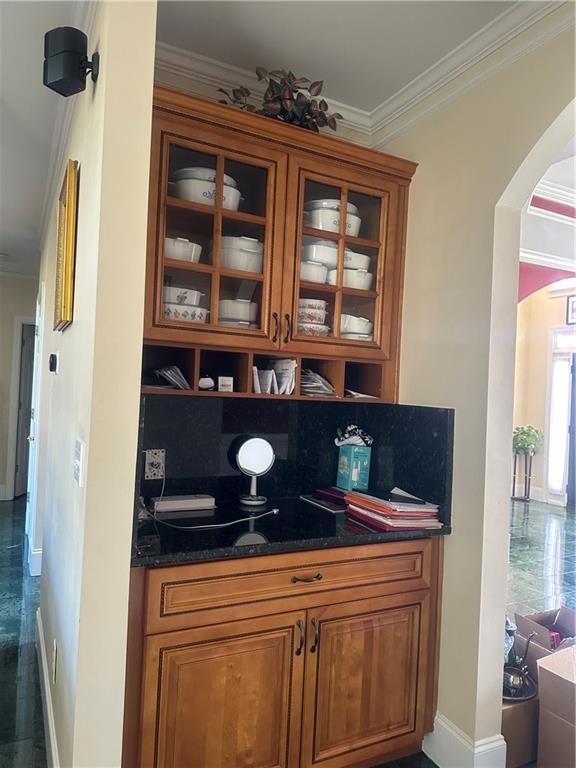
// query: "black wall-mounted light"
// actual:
[[66, 61]]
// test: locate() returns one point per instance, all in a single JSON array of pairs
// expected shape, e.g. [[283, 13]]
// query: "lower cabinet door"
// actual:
[[227, 696], [364, 686]]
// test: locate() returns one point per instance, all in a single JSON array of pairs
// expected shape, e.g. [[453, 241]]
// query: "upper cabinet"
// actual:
[[270, 238]]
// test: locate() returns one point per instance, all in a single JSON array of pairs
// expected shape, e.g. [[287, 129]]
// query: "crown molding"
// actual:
[[549, 260], [556, 192], [203, 75], [203, 71]]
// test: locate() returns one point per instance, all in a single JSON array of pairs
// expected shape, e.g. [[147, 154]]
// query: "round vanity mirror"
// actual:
[[254, 457]]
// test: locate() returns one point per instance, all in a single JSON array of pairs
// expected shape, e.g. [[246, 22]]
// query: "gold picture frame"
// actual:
[[66, 251]]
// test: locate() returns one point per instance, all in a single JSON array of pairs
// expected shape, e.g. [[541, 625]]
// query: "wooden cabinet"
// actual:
[[245, 232], [279, 667]]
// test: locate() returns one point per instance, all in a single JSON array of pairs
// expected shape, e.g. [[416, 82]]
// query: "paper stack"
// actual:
[[278, 378], [399, 512], [314, 385], [174, 376]]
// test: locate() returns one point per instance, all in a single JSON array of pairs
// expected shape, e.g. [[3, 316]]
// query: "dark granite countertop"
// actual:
[[297, 526]]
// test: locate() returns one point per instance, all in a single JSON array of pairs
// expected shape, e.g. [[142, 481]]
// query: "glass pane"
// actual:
[[319, 259], [368, 212], [188, 236], [357, 318], [186, 296], [360, 267], [251, 182], [242, 246], [191, 175], [322, 206], [240, 303], [315, 313]]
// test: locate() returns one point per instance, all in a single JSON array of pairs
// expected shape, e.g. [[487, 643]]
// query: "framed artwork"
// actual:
[[66, 250], [571, 310]]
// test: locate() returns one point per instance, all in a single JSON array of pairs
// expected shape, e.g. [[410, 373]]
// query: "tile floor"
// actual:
[[542, 560], [21, 722]]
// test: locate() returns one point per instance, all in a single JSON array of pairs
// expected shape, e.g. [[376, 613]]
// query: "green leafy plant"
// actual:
[[526, 440], [288, 98]]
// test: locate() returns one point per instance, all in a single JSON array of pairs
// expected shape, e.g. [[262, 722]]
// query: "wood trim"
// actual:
[[435, 631], [178, 103], [134, 660]]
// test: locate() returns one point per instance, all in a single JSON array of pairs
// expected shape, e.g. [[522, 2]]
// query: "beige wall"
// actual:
[[17, 298], [468, 151], [95, 396], [537, 315]]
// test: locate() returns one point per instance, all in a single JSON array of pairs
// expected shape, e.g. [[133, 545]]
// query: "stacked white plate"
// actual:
[[198, 185], [244, 253], [325, 214], [183, 304], [312, 317]]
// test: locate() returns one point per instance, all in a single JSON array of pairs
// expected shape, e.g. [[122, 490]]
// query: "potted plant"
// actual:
[[525, 442], [288, 98]]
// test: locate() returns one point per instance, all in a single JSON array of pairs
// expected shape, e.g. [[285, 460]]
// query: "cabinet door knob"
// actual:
[[302, 638], [288, 328], [276, 326], [306, 579], [316, 627]]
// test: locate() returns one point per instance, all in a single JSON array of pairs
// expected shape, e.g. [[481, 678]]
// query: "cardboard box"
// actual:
[[557, 729], [353, 467], [560, 620], [520, 718]]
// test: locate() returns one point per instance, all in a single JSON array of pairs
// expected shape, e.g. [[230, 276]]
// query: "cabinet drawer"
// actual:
[[207, 593]]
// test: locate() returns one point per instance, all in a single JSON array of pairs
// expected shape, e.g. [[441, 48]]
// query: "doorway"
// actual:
[[24, 409]]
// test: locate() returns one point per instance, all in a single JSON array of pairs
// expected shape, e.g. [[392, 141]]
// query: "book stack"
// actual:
[[399, 512]]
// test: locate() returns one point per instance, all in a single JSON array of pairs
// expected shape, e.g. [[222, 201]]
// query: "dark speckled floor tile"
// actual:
[[22, 742]]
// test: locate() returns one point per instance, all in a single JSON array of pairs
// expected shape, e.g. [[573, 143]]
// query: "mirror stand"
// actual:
[[253, 500]]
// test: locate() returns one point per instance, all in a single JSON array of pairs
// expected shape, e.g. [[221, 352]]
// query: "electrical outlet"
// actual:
[[154, 465], [54, 660]]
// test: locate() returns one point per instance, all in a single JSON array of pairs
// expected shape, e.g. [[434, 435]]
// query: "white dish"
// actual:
[[181, 249], [313, 329], [357, 336], [182, 296], [247, 261], [353, 260], [237, 309], [321, 251], [199, 191], [313, 272], [308, 315], [330, 204], [353, 278], [251, 244], [355, 325], [204, 174], [238, 323], [312, 304], [185, 313], [329, 221]]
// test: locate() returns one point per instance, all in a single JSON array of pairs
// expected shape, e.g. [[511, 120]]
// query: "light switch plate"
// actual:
[[154, 464]]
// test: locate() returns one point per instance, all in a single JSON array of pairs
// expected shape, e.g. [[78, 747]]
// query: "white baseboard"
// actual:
[[537, 494], [34, 557], [50, 726], [449, 747]]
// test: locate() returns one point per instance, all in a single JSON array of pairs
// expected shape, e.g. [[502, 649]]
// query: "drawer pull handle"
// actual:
[[302, 640], [316, 627], [288, 328], [276, 326], [306, 579]]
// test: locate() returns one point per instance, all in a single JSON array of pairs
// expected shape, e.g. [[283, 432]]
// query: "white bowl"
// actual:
[[247, 261], [330, 204], [353, 260], [322, 251], [355, 325], [237, 309], [182, 296], [181, 249], [306, 315], [357, 336], [312, 304], [185, 313], [238, 323], [251, 244], [313, 272], [204, 174], [353, 278], [329, 221], [313, 329], [199, 191]]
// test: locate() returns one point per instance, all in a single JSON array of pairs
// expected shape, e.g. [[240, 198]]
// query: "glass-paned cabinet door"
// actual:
[[217, 224], [340, 273]]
